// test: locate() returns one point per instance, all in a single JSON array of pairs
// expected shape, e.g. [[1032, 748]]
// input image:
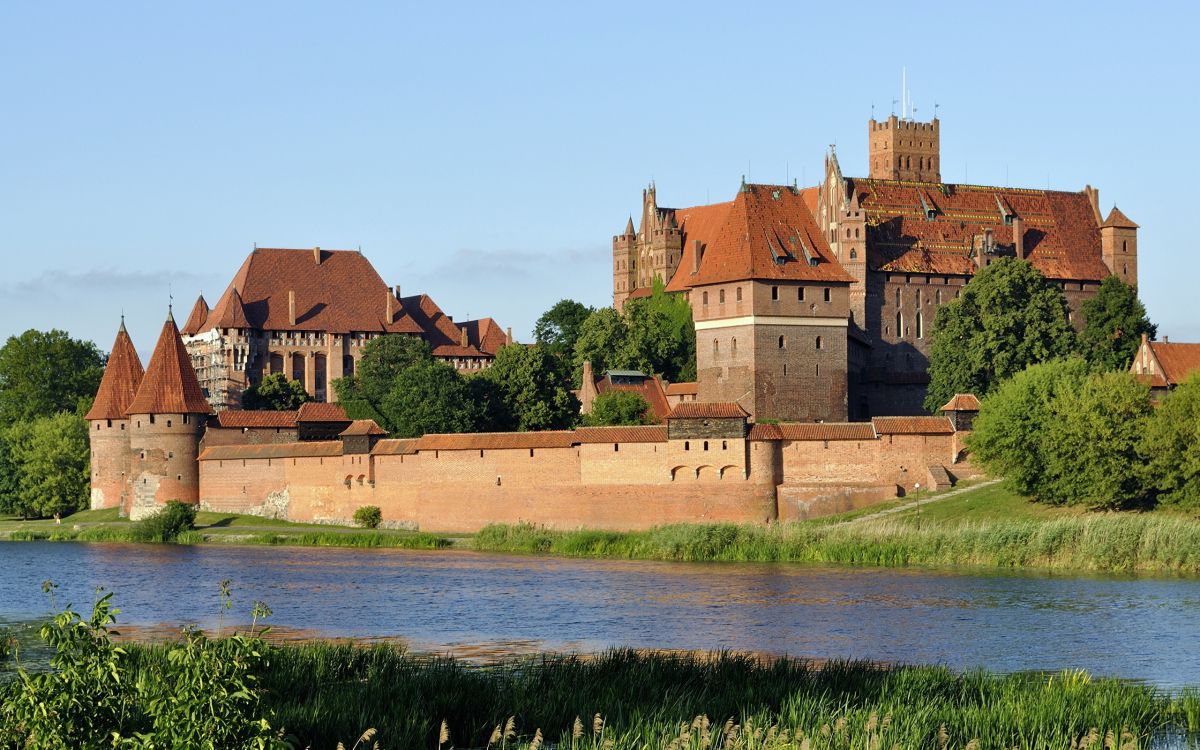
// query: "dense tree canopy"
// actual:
[[1171, 446], [383, 359], [275, 392], [558, 328], [1114, 321], [51, 456], [618, 408], [533, 387], [1067, 436], [428, 397], [653, 334], [46, 372], [1007, 318]]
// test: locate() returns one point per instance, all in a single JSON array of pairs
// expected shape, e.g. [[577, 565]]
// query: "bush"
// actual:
[[368, 516], [167, 524]]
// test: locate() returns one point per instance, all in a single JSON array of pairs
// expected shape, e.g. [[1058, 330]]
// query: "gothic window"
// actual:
[[704, 298], [920, 325], [853, 254], [818, 342], [733, 346], [856, 233], [716, 347], [899, 324], [937, 296], [782, 343], [897, 298]]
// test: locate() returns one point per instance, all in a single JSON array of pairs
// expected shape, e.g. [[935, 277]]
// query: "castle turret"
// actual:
[[904, 149], [108, 424], [1118, 246], [166, 422], [624, 264]]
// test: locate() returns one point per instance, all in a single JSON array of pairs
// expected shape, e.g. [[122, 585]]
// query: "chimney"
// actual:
[[1166, 339], [398, 292], [291, 307], [1019, 237], [391, 314], [696, 256], [588, 377], [464, 336], [508, 335], [317, 255]]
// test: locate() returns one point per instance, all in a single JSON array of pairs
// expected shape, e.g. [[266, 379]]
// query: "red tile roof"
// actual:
[[649, 389], [248, 418], [486, 335], [169, 385], [962, 402], [315, 448], [230, 312], [495, 440], [315, 411], [1178, 361], [1118, 219], [195, 321], [122, 376], [813, 431], [642, 434], [361, 427], [443, 335], [767, 232], [693, 410], [682, 389], [394, 448], [1061, 237], [912, 425], [337, 291]]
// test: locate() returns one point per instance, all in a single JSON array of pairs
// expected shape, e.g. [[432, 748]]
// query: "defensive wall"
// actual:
[[708, 468]]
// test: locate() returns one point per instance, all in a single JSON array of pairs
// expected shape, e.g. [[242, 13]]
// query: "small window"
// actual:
[[733, 346], [687, 445], [616, 447], [716, 347], [724, 445], [828, 294], [151, 419], [800, 294], [775, 293], [109, 424], [782, 342], [738, 294], [168, 423], [920, 325], [704, 298], [818, 342], [705, 445], [853, 254], [721, 296]]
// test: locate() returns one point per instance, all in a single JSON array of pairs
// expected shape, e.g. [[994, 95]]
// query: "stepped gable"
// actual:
[[766, 233], [917, 227], [122, 376], [197, 318], [336, 291], [170, 385]]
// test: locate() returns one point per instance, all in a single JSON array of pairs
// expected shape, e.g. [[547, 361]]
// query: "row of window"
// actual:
[[687, 445], [716, 345], [827, 293]]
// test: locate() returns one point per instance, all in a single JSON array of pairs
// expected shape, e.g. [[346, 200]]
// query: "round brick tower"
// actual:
[[166, 422], [108, 424]]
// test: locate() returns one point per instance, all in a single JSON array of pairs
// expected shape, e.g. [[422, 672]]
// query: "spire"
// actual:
[[170, 385], [195, 321], [230, 311], [122, 376], [629, 227]]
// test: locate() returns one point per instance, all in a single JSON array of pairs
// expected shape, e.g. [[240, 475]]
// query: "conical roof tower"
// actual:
[[170, 385], [122, 377]]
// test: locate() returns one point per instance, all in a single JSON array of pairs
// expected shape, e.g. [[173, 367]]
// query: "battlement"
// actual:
[[895, 123]]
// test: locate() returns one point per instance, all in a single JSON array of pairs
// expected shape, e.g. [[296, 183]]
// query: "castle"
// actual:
[[307, 314], [817, 303]]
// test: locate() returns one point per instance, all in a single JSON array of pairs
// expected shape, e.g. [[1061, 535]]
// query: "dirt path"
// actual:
[[915, 503]]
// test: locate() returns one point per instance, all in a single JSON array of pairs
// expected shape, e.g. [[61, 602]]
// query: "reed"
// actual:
[[322, 693], [1102, 542], [127, 534]]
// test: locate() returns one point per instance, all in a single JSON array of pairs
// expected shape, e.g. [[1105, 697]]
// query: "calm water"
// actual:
[[477, 605]]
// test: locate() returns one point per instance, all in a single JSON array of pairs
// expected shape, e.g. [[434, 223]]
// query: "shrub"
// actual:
[[368, 516], [167, 524]]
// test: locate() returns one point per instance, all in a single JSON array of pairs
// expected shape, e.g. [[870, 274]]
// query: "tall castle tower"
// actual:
[[108, 424], [167, 420], [624, 264], [903, 149], [1118, 246], [653, 252], [842, 218]]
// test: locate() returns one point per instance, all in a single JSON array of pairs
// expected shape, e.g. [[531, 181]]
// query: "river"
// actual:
[[480, 606]]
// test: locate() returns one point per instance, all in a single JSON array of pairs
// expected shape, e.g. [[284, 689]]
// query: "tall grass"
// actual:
[[323, 693], [1101, 543], [414, 540]]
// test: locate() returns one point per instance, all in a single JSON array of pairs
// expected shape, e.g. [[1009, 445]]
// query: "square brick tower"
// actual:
[[905, 150]]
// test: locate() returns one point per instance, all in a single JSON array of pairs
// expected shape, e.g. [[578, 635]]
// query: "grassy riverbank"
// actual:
[[325, 693], [984, 527]]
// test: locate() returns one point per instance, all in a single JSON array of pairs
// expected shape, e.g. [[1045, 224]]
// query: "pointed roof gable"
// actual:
[[195, 321], [122, 376], [230, 312], [1118, 219], [170, 385]]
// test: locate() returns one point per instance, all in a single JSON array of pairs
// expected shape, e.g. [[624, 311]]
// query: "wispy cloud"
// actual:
[[68, 283], [486, 264]]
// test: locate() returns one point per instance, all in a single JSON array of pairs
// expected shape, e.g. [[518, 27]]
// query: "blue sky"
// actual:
[[485, 154]]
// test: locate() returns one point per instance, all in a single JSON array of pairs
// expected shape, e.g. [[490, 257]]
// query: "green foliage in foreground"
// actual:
[[275, 392], [48, 462], [167, 524], [1172, 447], [1108, 542], [618, 408], [368, 516], [364, 539]]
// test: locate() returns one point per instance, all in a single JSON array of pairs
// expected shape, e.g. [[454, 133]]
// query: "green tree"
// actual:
[[383, 359], [1114, 321], [428, 397], [1007, 318], [1171, 446], [558, 328], [1013, 428], [46, 372], [9, 487], [534, 388], [602, 341], [1092, 449], [51, 459], [275, 392], [618, 408], [662, 336]]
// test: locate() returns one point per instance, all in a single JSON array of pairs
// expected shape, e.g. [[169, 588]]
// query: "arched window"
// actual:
[[716, 347], [687, 445], [781, 342], [853, 254], [856, 233], [899, 324], [920, 325], [733, 346], [704, 298], [937, 296], [897, 297], [705, 445], [918, 298], [818, 342]]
